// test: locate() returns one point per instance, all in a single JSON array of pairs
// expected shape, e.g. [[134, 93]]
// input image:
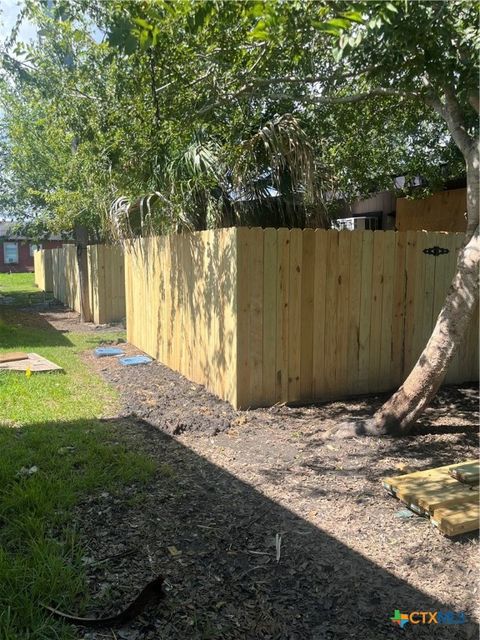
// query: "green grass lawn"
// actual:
[[21, 287], [54, 451]]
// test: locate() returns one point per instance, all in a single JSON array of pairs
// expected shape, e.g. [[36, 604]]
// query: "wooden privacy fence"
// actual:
[[106, 279], [272, 315], [444, 211], [42, 266]]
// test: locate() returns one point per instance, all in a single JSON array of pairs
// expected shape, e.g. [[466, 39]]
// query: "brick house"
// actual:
[[16, 252]]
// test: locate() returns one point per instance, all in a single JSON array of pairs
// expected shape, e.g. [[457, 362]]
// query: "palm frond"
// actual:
[[130, 218], [280, 147]]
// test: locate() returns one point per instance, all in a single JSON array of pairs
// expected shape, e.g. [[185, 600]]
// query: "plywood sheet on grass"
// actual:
[[34, 362], [13, 356]]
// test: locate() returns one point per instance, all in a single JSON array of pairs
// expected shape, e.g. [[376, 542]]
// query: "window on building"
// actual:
[[358, 222], [10, 252], [33, 248], [372, 223]]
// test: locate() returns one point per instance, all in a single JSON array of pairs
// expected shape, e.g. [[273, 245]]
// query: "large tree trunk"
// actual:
[[81, 237], [399, 414]]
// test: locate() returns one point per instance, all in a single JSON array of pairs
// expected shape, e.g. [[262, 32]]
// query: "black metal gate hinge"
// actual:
[[436, 251]]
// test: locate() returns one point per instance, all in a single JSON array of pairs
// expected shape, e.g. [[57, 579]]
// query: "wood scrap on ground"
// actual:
[[14, 355], [468, 472], [33, 362], [457, 519], [448, 494]]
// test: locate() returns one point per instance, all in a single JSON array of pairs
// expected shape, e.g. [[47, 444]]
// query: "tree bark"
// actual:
[[81, 237], [399, 414]]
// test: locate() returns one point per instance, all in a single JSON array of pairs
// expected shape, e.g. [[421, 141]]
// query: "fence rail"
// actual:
[[57, 270], [272, 315]]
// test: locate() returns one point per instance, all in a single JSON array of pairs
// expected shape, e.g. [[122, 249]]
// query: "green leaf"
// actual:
[[256, 9], [260, 32], [340, 23], [143, 23], [337, 54], [353, 16], [327, 28], [391, 7]]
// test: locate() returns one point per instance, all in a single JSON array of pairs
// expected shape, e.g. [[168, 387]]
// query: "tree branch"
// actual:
[[17, 62], [310, 79], [453, 115], [357, 97], [474, 101]]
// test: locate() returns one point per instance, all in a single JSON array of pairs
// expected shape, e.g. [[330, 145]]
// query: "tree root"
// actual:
[[353, 429]]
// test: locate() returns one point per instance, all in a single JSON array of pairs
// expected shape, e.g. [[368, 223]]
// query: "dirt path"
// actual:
[[264, 532]]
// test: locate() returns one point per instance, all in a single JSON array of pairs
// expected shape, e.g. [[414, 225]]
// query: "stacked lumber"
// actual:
[[448, 495]]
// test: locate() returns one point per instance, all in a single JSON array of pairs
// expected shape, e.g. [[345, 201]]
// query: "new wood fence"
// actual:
[[106, 277], [42, 265], [57, 269], [274, 315], [181, 300], [66, 285]]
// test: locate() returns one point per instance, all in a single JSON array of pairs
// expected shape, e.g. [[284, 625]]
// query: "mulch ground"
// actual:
[[261, 530]]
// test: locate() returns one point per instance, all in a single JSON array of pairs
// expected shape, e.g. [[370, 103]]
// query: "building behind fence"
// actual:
[[56, 270], [261, 316]]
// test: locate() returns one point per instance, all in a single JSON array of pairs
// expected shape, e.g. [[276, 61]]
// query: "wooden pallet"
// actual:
[[457, 519], [468, 472], [449, 495]]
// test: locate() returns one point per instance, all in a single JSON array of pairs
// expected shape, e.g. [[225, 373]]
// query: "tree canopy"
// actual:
[[210, 107]]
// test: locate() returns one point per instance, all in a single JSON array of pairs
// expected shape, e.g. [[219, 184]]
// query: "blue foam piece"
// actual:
[[404, 513], [133, 360], [101, 352]]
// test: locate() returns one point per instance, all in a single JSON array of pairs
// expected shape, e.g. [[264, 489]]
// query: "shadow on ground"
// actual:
[[30, 330], [237, 564], [24, 298]]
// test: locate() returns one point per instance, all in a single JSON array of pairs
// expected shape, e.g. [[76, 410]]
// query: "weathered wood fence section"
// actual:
[[444, 210], [272, 315], [105, 275]]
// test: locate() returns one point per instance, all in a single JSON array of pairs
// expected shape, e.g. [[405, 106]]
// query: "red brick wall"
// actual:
[[25, 261]]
